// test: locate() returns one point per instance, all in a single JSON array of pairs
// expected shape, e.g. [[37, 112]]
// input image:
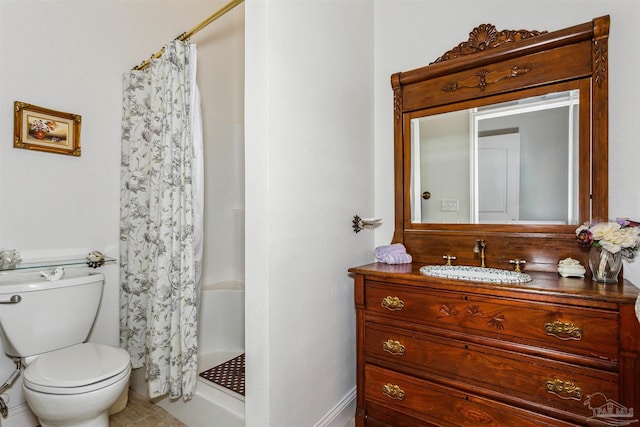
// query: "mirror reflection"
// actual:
[[507, 163]]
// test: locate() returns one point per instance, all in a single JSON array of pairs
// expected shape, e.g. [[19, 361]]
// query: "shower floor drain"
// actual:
[[229, 374]]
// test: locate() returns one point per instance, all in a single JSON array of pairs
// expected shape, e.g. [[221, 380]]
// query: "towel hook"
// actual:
[[362, 223]]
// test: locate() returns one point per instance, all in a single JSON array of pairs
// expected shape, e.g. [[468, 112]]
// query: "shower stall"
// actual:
[[221, 338], [220, 77]]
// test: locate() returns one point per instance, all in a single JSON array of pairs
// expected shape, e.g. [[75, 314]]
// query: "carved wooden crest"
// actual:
[[485, 37]]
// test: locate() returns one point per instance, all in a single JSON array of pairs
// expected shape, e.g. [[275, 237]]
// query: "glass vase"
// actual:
[[605, 266]]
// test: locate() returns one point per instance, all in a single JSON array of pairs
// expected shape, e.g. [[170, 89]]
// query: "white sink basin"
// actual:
[[475, 274]]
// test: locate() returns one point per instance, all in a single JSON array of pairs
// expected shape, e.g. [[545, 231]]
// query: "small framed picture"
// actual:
[[42, 129]]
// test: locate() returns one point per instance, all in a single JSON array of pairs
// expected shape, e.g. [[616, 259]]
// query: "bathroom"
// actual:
[[312, 98]]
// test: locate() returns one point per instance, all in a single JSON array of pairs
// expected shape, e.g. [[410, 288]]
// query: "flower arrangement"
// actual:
[[40, 125], [622, 236]]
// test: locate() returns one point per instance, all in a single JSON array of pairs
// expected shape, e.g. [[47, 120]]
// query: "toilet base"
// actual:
[[101, 421], [121, 403], [78, 410]]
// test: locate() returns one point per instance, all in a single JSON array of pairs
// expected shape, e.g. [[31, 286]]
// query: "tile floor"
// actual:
[[141, 412]]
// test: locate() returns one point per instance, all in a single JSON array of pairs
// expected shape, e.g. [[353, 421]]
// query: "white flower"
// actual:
[[613, 237], [628, 237], [602, 229], [621, 235]]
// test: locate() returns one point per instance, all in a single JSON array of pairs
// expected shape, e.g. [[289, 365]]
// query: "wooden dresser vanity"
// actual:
[[553, 351], [451, 353]]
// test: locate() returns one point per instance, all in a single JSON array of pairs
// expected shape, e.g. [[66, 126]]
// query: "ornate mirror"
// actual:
[[503, 138]]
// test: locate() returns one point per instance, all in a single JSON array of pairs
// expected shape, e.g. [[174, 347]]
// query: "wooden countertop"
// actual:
[[550, 284]]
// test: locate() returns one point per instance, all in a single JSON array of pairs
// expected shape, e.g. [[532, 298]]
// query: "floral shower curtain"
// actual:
[[161, 220]]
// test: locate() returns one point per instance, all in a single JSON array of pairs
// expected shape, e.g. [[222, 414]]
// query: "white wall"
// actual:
[[410, 34], [309, 140]]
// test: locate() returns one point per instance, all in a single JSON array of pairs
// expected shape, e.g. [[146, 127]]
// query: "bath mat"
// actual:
[[229, 374]]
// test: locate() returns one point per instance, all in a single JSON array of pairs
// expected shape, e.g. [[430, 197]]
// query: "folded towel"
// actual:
[[390, 249], [396, 258], [393, 254]]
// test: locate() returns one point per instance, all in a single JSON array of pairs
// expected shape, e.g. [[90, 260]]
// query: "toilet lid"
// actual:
[[77, 366]]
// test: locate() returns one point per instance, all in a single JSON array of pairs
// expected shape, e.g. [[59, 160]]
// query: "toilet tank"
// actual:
[[50, 315]]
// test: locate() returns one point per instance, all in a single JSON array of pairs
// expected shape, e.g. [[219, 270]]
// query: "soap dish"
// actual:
[[577, 271], [570, 267]]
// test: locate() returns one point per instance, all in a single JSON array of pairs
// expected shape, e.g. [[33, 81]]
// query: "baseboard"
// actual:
[[20, 416], [341, 413]]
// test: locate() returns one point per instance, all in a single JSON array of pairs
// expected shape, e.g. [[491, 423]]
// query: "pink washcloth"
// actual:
[[381, 251], [393, 254], [397, 258]]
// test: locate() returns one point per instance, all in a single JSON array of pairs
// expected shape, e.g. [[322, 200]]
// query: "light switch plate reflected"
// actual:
[[449, 205]]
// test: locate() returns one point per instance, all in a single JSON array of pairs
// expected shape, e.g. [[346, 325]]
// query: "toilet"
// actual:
[[66, 381]]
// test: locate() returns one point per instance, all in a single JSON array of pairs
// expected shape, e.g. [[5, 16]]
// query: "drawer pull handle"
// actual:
[[392, 303], [393, 391], [563, 330], [393, 347], [564, 389]]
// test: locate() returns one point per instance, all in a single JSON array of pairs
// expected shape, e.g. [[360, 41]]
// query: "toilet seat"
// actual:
[[80, 368]]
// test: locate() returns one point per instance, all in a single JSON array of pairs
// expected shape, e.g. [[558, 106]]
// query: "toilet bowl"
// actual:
[[66, 381], [76, 386]]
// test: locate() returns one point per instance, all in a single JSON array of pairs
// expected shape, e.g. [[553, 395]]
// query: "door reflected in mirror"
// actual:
[[507, 163]]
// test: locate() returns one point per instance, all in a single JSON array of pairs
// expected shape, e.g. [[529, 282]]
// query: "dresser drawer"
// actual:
[[589, 332], [441, 405], [535, 380]]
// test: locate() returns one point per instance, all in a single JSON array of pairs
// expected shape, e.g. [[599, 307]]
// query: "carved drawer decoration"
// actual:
[[493, 321]]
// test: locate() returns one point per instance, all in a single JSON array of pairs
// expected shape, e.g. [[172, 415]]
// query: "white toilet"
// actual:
[[67, 382]]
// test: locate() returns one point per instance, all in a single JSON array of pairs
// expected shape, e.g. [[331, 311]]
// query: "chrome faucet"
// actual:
[[479, 248]]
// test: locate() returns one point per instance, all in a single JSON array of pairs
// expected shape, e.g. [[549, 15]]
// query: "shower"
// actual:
[[220, 78]]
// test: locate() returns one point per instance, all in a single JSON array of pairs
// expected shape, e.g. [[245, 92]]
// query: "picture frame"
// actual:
[[42, 129]]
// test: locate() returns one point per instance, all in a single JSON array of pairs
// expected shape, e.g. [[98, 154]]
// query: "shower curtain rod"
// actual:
[[186, 35]]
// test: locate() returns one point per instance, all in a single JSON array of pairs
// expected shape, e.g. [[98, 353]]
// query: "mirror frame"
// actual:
[[497, 66]]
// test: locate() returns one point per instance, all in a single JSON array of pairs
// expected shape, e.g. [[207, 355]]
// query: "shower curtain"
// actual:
[[161, 220]]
